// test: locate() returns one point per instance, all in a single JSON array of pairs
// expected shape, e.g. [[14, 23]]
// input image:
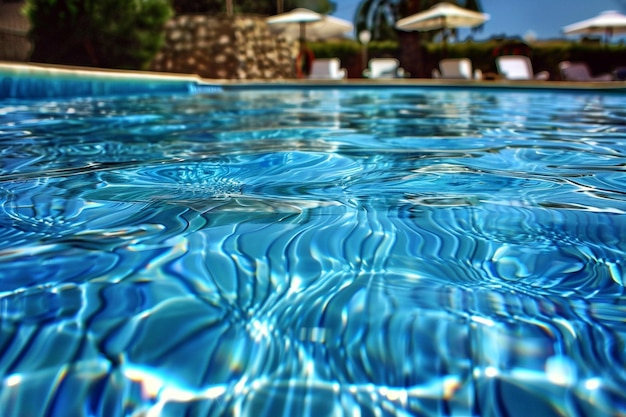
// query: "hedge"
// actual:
[[545, 55]]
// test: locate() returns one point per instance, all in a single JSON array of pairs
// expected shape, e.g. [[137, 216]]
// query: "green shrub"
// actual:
[[101, 33], [387, 48], [341, 49], [545, 56], [349, 49]]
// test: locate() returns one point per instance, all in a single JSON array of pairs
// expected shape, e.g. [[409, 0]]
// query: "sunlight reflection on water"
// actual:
[[314, 252]]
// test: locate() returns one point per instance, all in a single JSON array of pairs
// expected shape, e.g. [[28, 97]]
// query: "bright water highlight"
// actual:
[[322, 252]]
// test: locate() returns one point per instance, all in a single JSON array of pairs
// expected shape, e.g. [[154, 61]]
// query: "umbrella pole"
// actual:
[[302, 34], [444, 34], [305, 56]]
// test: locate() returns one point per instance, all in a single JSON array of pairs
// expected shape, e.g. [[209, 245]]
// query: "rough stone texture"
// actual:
[[14, 47], [238, 47], [14, 43]]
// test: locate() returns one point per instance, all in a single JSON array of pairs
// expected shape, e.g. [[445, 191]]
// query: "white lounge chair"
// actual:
[[457, 69], [579, 71], [384, 68], [518, 67], [327, 69]]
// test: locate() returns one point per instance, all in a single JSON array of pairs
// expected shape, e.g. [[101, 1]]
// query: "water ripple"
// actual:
[[314, 252]]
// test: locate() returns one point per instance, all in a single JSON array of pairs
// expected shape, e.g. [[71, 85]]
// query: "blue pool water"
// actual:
[[314, 252]]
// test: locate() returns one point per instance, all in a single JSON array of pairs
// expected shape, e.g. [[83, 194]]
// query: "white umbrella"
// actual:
[[298, 17], [327, 28], [607, 22], [442, 16], [308, 24]]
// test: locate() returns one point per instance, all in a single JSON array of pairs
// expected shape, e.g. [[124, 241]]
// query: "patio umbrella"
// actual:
[[442, 16], [307, 24], [606, 23], [318, 26]]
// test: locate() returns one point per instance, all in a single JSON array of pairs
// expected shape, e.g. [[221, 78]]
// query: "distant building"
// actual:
[[14, 43]]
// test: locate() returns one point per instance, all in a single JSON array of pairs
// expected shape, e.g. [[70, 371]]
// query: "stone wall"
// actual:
[[14, 43], [238, 47], [14, 47]]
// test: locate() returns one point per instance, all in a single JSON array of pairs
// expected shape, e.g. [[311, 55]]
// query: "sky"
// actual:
[[543, 18]]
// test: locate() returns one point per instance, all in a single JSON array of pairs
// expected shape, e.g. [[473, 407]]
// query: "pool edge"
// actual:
[[34, 80], [606, 86], [40, 81]]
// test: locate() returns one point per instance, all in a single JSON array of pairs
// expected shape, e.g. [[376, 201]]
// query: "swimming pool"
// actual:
[[314, 252]]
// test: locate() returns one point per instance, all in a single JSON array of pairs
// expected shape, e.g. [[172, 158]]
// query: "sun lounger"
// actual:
[[579, 71], [518, 67], [457, 69], [384, 68], [327, 69]]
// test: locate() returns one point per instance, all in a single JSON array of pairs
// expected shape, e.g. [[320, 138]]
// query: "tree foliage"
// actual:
[[198, 6], [102, 33], [267, 8], [379, 16]]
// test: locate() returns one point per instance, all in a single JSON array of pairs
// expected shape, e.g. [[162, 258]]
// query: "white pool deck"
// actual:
[[144, 81]]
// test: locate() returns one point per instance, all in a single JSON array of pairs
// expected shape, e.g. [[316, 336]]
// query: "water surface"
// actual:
[[322, 252]]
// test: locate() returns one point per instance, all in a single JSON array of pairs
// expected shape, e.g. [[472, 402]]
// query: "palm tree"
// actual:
[[377, 16], [411, 54]]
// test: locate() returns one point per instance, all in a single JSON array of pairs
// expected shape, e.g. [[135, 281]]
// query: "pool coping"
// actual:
[[38, 81], [614, 86], [16, 81]]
